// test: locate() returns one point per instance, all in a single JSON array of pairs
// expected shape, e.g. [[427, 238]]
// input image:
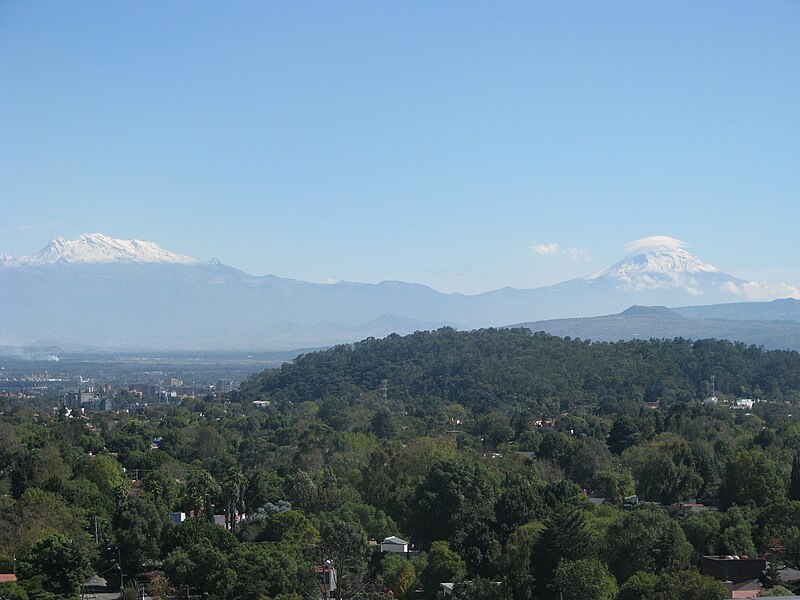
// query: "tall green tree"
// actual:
[[455, 492], [162, 486], [444, 565], [646, 540], [233, 491], [107, 474], [639, 586], [517, 559], [290, 526], [270, 570], [194, 530], [584, 579], [345, 543], [199, 493], [794, 481], [138, 525], [624, 434], [735, 535], [403, 583], [702, 530], [56, 565], [11, 590], [569, 535], [687, 585], [201, 567], [521, 502], [751, 478]]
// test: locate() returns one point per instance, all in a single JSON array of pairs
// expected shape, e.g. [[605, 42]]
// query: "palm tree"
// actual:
[[199, 493], [233, 488]]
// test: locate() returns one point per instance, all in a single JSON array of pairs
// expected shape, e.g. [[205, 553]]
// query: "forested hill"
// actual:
[[487, 369]]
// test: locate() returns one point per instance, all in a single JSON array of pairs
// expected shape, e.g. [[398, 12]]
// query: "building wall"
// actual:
[[723, 569]]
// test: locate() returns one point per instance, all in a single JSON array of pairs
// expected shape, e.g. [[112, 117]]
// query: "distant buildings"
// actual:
[[224, 386], [738, 404]]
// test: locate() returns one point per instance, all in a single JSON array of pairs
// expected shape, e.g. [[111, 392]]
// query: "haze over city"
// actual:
[[464, 146]]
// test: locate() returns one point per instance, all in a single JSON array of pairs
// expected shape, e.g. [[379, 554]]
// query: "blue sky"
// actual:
[[437, 142]]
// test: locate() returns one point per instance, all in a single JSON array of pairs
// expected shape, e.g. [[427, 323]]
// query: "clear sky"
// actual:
[[437, 142]]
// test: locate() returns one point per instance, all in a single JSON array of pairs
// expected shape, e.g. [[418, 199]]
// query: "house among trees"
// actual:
[[394, 544], [745, 589]]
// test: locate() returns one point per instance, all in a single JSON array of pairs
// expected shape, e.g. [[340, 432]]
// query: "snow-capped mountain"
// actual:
[[99, 248], [658, 270], [656, 254], [99, 291], [663, 263]]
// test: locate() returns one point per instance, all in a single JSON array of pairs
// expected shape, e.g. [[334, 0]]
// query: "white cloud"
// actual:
[[546, 248], [762, 290], [24, 227], [655, 241], [554, 248]]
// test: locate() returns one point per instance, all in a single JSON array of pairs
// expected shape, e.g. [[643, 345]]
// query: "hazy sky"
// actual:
[[465, 145]]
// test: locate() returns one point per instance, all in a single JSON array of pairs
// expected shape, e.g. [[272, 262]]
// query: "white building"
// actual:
[[394, 544]]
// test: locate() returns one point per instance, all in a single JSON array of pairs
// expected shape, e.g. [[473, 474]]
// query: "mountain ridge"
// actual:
[[96, 290], [754, 325]]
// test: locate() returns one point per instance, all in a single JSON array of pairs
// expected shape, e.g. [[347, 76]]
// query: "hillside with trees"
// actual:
[[487, 450]]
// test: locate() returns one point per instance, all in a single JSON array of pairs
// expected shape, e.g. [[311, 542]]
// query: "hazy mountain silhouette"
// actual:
[[98, 291]]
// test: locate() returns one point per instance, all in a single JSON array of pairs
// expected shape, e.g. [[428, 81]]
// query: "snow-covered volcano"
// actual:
[[662, 262], [99, 248]]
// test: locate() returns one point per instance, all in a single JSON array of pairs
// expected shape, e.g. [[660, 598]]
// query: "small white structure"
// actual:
[[447, 589], [394, 544]]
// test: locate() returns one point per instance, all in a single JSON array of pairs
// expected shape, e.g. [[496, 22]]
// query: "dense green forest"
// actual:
[[482, 448]]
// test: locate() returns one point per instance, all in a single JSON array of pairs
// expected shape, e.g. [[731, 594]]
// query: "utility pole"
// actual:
[[121, 574]]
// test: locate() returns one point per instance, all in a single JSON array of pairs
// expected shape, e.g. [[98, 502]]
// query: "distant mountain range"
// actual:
[[99, 292], [774, 325]]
